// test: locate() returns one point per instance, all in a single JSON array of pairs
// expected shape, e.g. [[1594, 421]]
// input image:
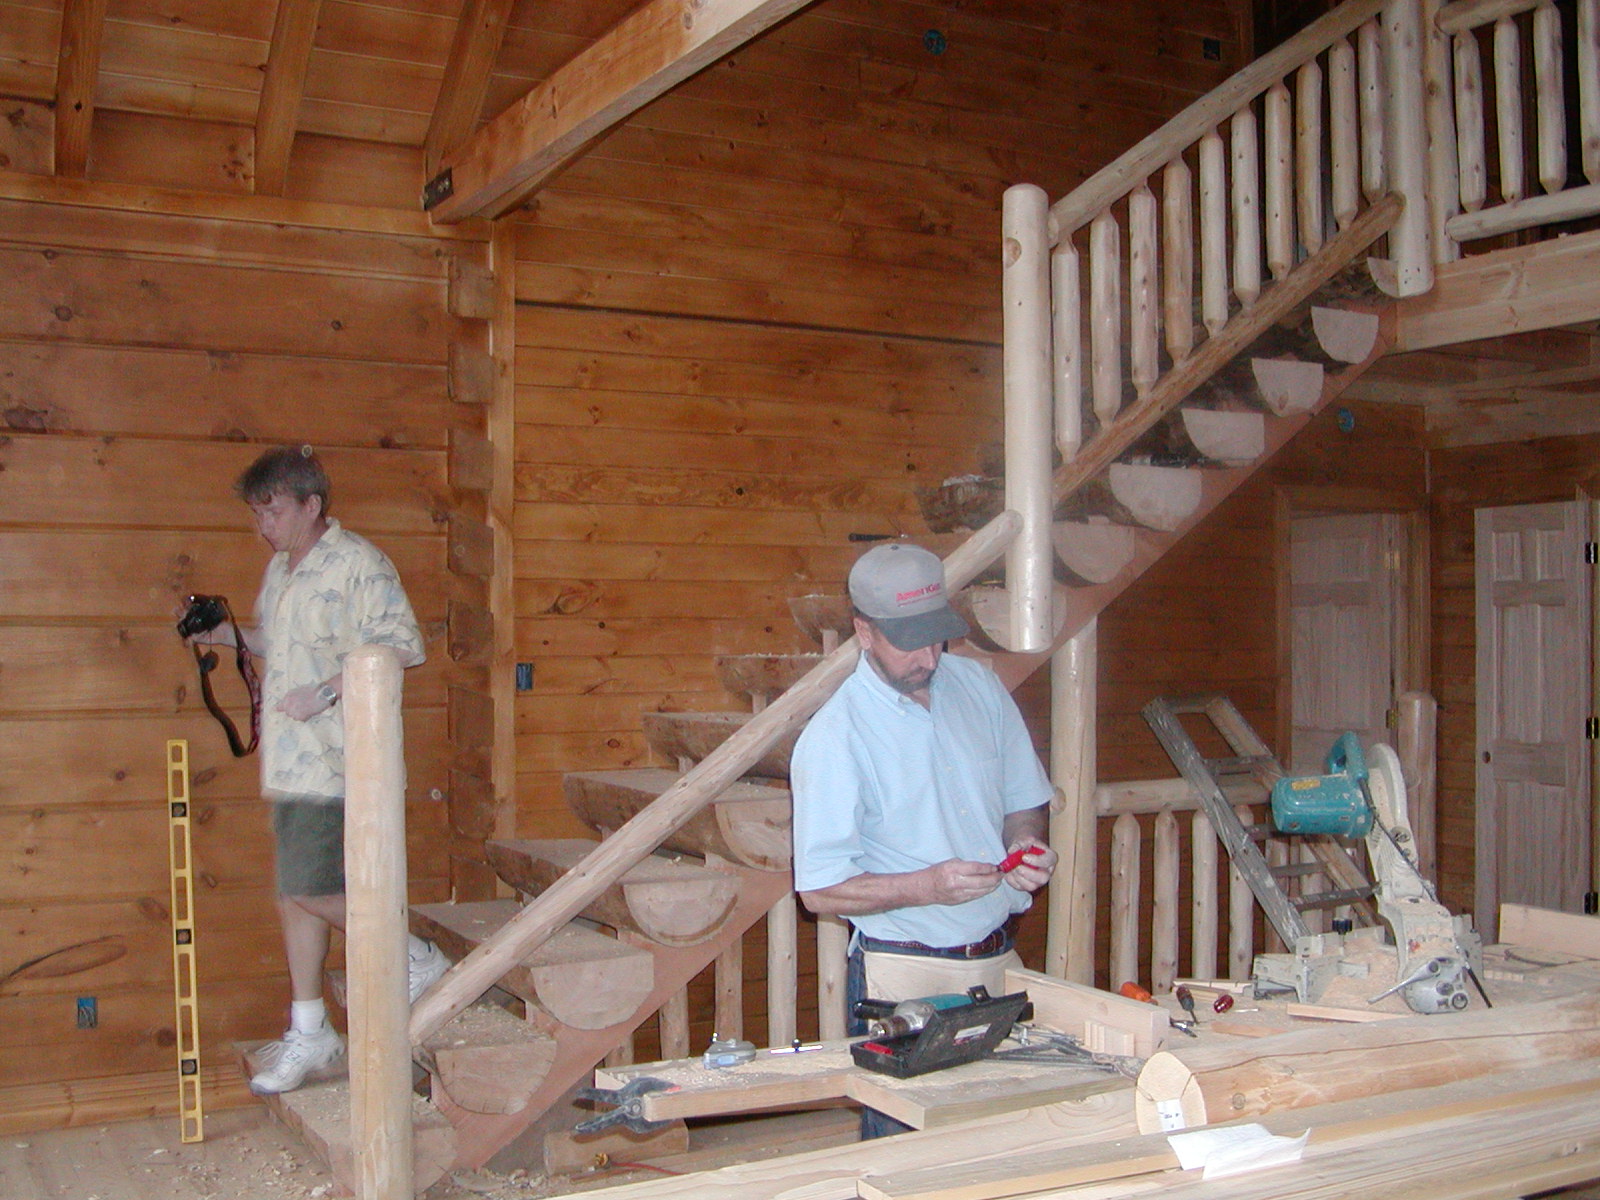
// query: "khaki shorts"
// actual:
[[310, 847]]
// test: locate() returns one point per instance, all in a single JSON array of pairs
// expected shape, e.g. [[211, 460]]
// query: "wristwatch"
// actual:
[[327, 695]]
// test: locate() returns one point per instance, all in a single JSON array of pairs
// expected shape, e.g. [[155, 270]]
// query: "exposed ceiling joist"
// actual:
[[466, 78], [278, 111], [77, 68], [656, 47]]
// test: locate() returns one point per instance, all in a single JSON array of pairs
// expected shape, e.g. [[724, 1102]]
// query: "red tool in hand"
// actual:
[[1014, 860]]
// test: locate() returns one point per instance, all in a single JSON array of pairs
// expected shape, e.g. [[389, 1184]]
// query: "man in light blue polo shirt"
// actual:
[[911, 785]]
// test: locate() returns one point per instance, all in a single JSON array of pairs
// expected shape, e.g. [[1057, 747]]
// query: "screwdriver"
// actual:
[[1186, 998], [1014, 860]]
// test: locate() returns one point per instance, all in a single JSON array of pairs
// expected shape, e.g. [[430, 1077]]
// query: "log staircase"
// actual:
[[1135, 402]]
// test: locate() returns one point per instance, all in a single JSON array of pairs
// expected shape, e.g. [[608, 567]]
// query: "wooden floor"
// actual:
[[248, 1156]]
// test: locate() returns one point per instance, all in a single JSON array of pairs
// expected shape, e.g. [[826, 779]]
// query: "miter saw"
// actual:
[[1363, 795]]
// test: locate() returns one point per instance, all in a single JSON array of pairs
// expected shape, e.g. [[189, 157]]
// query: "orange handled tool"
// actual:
[[1134, 992], [1014, 860]]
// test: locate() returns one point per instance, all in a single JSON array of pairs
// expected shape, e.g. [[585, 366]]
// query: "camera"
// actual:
[[203, 615]]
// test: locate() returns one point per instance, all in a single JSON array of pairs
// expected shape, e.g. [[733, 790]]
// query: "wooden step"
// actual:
[[747, 824], [319, 1112], [580, 977], [1287, 385], [1231, 438], [1345, 335], [487, 1060], [693, 735], [1157, 497], [764, 675], [991, 627], [669, 901], [825, 618], [1096, 550]]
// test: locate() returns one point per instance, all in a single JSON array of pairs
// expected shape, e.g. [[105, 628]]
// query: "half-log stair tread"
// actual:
[[667, 900], [763, 674], [748, 823], [694, 735], [489, 1060], [319, 1113], [580, 977]]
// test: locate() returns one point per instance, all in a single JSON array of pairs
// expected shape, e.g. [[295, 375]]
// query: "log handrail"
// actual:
[[1111, 183], [645, 831]]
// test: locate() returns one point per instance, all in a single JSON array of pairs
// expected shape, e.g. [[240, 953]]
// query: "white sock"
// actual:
[[307, 1016], [417, 948]]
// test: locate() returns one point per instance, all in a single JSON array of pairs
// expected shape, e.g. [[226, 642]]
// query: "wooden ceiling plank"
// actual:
[[77, 68], [659, 45], [466, 78], [278, 112]]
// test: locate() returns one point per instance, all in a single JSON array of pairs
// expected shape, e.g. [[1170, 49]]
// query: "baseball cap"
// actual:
[[901, 587]]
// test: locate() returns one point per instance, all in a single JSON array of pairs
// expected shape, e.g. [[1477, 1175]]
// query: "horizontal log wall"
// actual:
[[145, 359], [760, 314], [1466, 479]]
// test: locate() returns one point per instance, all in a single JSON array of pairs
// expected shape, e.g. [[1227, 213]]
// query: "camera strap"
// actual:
[[206, 660]]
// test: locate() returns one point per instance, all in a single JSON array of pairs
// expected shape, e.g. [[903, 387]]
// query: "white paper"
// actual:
[[1235, 1149]]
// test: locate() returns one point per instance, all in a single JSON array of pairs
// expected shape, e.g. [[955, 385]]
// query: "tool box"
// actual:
[[952, 1036]]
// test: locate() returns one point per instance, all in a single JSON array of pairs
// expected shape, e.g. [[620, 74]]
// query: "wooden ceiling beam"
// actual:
[[465, 86], [77, 69], [278, 111], [654, 48]]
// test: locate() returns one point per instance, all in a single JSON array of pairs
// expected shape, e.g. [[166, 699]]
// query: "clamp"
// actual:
[[627, 1104]]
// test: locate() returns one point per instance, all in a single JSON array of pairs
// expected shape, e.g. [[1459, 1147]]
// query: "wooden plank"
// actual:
[[80, 297], [473, 52], [293, 31], [1547, 930], [77, 68]]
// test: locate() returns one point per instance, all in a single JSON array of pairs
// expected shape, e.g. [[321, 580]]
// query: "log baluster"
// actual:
[[1369, 57], [1308, 154], [1469, 121], [833, 948], [1144, 308], [1241, 915], [782, 971], [1508, 106], [1125, 839], [1213, 233], [1177, 255], [1549, 102], [1246, 207], [1164, 907], [1105, 316], [1203, 899], [1589, 86], [1067, 348], [1278, 132], [1344, 132]]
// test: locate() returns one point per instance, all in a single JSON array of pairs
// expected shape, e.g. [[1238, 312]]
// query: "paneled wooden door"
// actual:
[[1344, 595], [1533, 810]]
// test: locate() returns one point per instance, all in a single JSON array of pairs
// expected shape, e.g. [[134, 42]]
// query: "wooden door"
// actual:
[[1343, 594], [1532, 700]]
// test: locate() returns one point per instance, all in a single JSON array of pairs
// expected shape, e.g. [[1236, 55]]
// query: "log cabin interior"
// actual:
[[1247, 349]]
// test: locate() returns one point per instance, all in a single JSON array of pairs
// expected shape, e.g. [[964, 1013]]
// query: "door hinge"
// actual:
[[1591, 552], [1591, 728]]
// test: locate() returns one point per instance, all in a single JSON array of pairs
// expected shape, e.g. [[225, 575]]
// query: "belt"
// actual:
[[996, 943]]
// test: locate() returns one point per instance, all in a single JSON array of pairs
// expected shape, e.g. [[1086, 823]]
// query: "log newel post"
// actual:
[[1406, 144], [1026, 364], [1069, 944], [1418, 751], [375, 951]]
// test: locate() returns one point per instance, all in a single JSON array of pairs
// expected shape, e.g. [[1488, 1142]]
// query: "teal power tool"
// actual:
[[934, 1032], [1363, 795]]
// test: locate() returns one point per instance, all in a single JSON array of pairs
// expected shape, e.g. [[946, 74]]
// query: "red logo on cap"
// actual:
[[911, 597]]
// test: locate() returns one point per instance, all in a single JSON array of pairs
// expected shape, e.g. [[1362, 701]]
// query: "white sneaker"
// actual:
[[425, 969], [287, 1062]]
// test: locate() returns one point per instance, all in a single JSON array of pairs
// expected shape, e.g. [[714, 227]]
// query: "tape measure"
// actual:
[[191, 1114]]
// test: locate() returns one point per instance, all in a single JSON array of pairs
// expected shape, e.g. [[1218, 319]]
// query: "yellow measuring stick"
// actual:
[[191, 1115]]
